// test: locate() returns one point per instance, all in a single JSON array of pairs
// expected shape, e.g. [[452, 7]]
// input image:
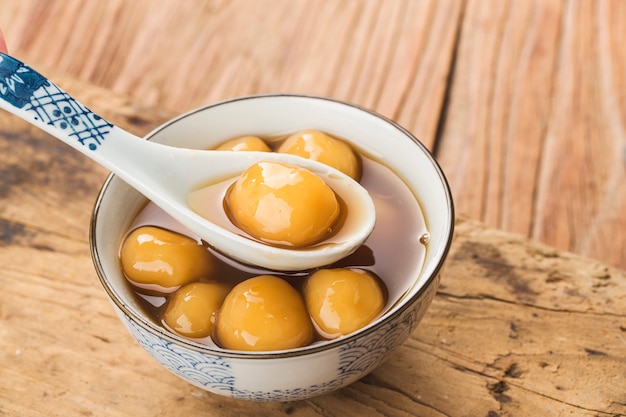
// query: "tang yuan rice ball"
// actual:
[[283, 204], [321, 147], [342, 300], [245, 143], [191, 310], [160, 260], [263, 313]]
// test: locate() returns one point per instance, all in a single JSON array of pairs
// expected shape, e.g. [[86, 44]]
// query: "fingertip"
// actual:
[[3, 45]]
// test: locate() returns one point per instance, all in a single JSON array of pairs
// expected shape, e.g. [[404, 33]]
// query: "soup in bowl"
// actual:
[[402, 259]]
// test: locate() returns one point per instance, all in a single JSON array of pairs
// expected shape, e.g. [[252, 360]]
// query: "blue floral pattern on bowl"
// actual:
[[216, 373]]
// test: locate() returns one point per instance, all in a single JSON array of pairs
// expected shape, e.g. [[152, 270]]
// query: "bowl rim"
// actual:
[[305, 350]]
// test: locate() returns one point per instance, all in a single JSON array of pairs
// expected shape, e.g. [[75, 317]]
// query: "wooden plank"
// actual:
[[520, 152], [586, 150], [392, 57], [517, 328], [533, 142], [534, 138]]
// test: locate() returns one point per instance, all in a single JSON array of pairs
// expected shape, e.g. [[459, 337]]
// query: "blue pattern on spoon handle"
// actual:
[[44, 102]]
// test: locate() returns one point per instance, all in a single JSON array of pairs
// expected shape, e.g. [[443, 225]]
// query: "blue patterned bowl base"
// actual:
[[284, 378]]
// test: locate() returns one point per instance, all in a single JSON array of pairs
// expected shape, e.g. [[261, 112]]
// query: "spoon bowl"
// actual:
[[166, 175]]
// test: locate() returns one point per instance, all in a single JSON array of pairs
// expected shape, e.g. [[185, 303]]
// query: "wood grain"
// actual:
[[179, 55], [534, 138], [517, 328], [524, 103]]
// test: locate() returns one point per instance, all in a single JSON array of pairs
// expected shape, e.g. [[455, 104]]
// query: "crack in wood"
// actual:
[[30, 231], [445, 103], [380, 383], [482, 296]]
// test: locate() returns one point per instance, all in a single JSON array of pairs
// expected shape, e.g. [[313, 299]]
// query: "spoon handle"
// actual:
[[31, 96], [34, 98]]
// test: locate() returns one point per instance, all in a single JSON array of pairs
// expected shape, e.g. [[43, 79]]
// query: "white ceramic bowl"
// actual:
[[312, 370]]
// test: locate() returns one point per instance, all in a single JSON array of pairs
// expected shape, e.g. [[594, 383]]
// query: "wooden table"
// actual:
[[522, 102]]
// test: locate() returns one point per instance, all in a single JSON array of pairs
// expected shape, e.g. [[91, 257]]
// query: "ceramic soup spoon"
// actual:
[[166, 175]]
